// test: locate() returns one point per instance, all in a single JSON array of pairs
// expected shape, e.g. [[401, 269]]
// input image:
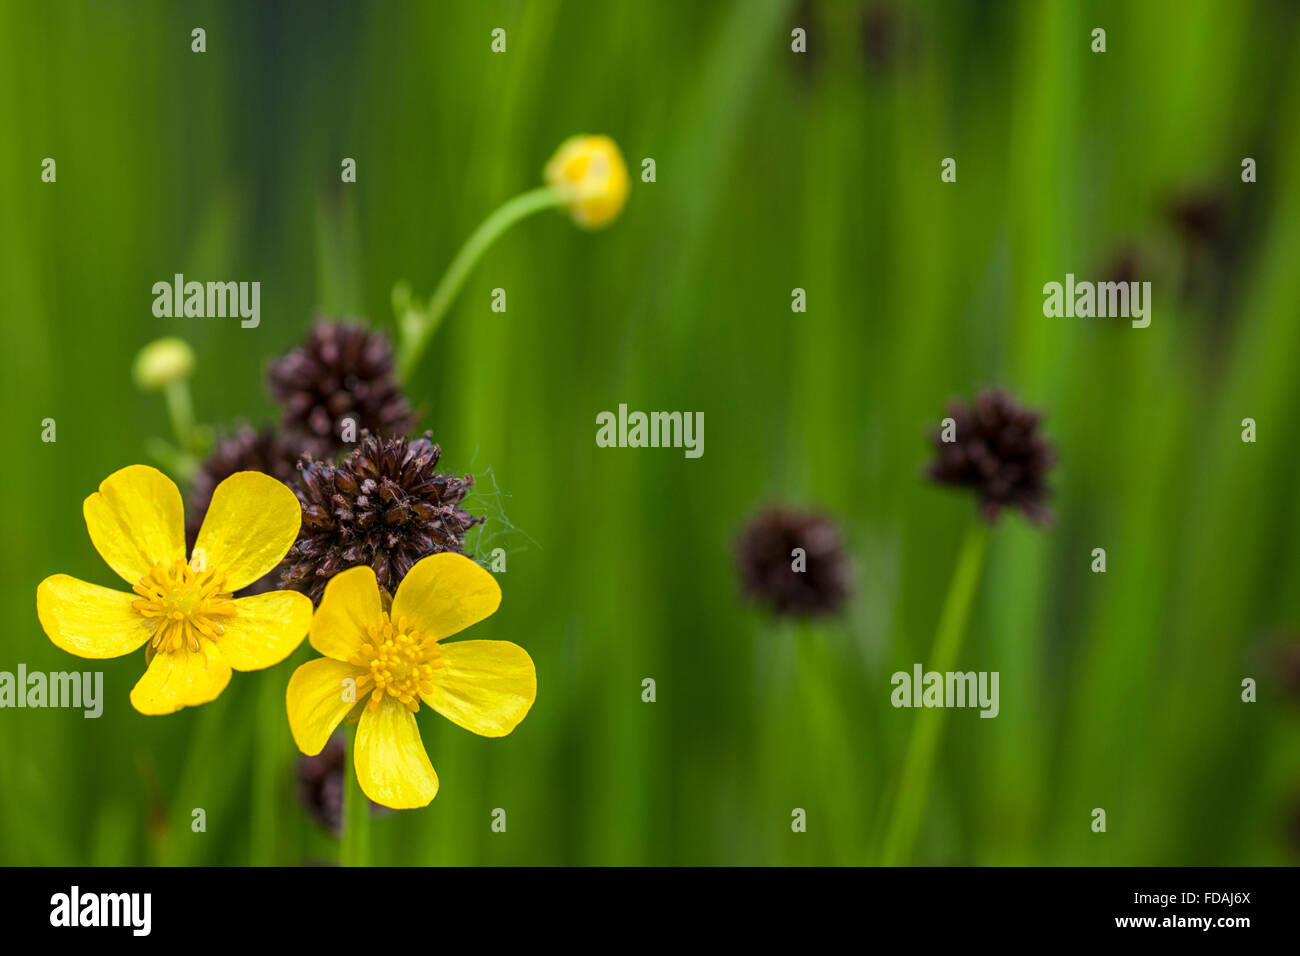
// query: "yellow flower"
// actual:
[[591, 171], [392, 655], [195, 630]]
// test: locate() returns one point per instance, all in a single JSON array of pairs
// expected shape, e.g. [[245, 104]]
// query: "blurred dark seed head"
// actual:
[[246, 449], [1199, 218], [320, 784], [999, 453], [882, 36], [343, 371], [766, 560], [1125, 265], [320, 787], [384, 505]]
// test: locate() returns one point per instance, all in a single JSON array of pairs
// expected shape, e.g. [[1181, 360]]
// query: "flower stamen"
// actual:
[[184, 605], [401, 663]]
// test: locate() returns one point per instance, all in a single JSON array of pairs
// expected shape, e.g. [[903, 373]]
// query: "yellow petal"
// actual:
[[392, 766], [319, 698], [265, 630], [444, 594], [350, 603], [87, 620], [135, 520], [485, 686], [181, 678], [250, 525]]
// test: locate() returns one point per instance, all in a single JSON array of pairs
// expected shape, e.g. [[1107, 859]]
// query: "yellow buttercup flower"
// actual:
[[382, 658], [590, 169], [194, 630]]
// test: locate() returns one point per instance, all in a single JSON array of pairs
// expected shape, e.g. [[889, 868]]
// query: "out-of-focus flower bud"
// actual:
[[591, 171], [161, 363]]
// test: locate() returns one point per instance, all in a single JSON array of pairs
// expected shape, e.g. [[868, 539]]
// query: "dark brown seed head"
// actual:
[[320, 784], [880, 35], [246, 449], [793, 562], [1198, 217], [384, 505], [1125, 265], [997, 451], [342, 372]]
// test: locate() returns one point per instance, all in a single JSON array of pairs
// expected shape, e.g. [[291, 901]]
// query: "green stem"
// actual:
[[417, 328], [180, 408], [270, 713], [354, 848], [910, 800]]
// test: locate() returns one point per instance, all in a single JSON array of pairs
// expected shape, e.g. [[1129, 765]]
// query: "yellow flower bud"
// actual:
[[591, 172], [160, 363]]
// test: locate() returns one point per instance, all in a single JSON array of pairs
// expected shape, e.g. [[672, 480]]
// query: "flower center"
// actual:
[[401, 663], [184, 604]]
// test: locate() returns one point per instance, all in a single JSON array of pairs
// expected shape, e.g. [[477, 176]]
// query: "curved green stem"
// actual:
[[913, 786], [417, 328]]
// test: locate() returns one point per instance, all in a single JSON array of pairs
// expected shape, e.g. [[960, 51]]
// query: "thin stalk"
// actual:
[[180, 408], [270, 713], [417, 328], [913, 786], [354, 848]]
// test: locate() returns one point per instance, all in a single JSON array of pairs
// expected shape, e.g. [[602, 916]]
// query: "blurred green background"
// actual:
[[775, 170]]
